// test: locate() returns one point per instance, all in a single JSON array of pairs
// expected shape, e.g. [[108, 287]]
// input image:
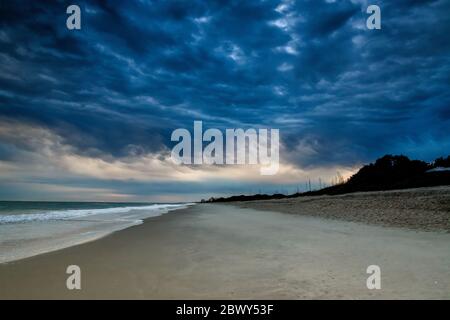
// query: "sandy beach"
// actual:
[[420, 209], [213, 251]]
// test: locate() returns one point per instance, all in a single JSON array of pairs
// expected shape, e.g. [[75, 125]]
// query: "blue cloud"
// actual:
[[137, 70]]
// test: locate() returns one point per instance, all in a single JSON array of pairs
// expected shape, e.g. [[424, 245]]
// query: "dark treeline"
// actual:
[[387, 173]]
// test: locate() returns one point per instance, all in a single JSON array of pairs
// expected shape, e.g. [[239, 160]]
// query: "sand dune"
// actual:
[[421, 209]]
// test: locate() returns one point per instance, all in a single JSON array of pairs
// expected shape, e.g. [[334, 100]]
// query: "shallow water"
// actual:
[[31, 228]]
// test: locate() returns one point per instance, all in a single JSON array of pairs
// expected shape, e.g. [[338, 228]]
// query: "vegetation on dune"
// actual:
[[387, 173]]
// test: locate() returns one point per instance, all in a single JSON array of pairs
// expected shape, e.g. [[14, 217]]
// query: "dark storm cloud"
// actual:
[[139, 69]]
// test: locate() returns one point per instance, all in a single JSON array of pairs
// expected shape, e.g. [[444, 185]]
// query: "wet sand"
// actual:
[[220, 251]]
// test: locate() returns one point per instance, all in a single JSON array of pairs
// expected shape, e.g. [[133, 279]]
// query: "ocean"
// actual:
[[28, 228]]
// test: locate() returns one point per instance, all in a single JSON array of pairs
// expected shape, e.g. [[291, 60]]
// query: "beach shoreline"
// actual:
[[212, 251], [25, 235]]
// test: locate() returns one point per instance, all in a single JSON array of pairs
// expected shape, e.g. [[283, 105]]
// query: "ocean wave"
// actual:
[[80, 213]]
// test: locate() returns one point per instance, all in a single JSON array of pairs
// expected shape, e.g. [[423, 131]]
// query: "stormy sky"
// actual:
[[88, 114]]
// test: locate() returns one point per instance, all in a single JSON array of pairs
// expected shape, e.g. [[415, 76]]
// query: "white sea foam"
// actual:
[[26, 235], [81, 213]]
